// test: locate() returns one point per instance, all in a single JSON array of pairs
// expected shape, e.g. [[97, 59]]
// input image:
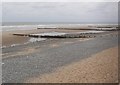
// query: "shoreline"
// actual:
[[9, 39]]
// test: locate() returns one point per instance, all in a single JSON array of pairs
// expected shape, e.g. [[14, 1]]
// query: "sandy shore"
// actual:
[[9, 39], [99, 68], [62, 60]]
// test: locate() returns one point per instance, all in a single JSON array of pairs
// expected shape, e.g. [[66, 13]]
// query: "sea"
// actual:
[[11, 26]]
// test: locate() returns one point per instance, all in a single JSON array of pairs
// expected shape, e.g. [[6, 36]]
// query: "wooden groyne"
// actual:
[[18, 34], [57, 36]]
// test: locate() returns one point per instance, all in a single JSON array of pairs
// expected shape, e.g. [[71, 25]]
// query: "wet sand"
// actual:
[[8, 38], [98, 68]]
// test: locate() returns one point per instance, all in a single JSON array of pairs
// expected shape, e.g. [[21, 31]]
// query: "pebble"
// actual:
[[3, 63]]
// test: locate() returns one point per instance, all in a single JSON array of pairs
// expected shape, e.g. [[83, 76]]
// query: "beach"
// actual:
[[60, 42], [60, 60]]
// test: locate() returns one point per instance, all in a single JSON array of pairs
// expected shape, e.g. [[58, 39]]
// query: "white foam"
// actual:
[[14, 45], [36, 39], [31, 40], [49, 34], [3, 46], [21, 27], [91, 32]]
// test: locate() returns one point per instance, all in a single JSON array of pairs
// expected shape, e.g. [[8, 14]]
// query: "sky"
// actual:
[[60, 12]]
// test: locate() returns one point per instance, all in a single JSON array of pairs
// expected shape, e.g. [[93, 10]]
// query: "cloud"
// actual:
[[60, 0], [60, 11]]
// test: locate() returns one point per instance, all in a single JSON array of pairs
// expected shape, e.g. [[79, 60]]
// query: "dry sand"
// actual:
[[99, 68], [8, 38]]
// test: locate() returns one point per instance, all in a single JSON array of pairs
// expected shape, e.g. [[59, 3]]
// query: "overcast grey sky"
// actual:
[[73, 12]]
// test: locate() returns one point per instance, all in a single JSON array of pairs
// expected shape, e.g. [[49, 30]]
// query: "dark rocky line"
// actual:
[[95, 29]]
